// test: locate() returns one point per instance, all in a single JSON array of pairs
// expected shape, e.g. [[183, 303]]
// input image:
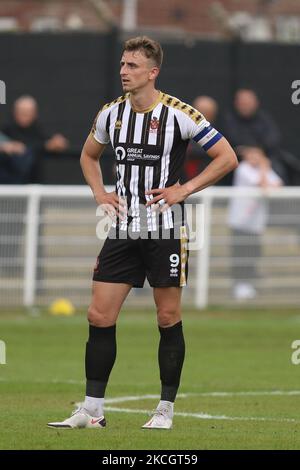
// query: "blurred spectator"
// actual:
[[15, 161], [248, 125], [247, 218], [207, 106], [196, 158], [24, 129], [22, 144]]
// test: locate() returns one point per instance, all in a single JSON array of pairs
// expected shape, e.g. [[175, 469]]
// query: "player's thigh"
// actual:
[[120, 262], [107, 300], [168, 305], [166, 260]]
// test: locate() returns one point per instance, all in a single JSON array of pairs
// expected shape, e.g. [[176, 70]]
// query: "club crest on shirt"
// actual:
[[154, 125], [118, 125]]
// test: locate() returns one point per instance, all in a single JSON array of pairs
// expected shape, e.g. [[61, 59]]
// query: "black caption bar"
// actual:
[[136, 458]]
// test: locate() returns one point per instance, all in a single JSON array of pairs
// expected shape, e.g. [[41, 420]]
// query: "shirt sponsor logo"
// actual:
[[137, 153], [120, 153]]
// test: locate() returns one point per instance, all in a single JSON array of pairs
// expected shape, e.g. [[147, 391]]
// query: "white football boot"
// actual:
[[162, 418], [80, 418]]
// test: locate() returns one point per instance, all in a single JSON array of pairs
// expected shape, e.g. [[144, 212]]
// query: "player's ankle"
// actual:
[[167, 406], [94, 406]]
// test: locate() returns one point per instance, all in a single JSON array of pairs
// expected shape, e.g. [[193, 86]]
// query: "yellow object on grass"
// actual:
[[62, 307]]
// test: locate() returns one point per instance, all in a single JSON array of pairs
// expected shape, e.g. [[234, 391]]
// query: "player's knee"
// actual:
[[98, 317], [167, 317]]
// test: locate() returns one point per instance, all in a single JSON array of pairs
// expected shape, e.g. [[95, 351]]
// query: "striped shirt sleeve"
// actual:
[[99, 130], [206, 136], [193, 125]]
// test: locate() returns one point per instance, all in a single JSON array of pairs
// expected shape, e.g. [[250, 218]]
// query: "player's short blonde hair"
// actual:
[[152, 49]]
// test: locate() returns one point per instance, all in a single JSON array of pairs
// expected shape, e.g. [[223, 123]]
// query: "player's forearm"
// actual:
[[92, 174], [217, 169]]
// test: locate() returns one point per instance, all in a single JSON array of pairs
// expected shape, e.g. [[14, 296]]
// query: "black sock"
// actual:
[[170, 357], [101, 351]]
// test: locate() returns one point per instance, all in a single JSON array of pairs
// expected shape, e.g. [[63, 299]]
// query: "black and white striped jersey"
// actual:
[[150, 149]]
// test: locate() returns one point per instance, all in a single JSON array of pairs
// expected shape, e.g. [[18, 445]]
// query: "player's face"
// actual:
[[136, 71]]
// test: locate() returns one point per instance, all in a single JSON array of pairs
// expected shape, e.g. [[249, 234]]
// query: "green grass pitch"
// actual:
[[236, 389]]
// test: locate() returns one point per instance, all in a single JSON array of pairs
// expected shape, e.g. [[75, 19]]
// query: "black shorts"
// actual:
[[163, 261]]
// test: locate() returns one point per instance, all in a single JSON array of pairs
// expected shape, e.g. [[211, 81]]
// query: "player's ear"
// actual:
[[153, 73]]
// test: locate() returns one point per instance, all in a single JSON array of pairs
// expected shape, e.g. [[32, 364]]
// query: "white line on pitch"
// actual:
[[52, 381], [206, 394], [204, 415], [141, 397], [254, 393], [182, 395]]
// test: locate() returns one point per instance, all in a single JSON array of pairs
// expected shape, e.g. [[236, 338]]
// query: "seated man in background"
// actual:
[[15, 161], [247, 124], [26, 129]]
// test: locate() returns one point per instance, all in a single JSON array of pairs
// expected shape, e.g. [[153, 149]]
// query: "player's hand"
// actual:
[[112, 204], [166, 197]]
